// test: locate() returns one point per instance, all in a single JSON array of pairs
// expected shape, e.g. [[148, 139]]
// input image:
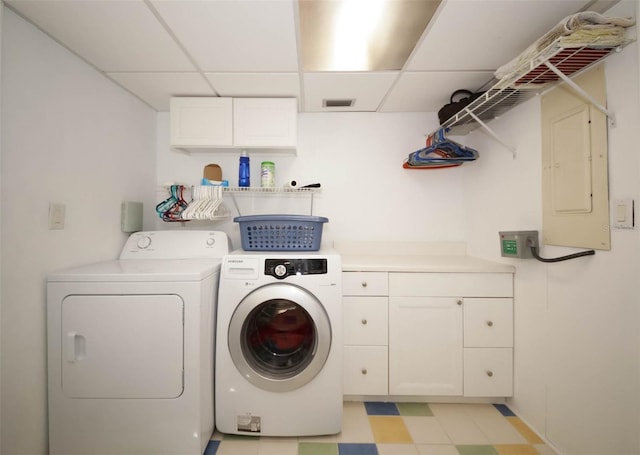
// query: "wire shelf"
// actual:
[[534, 75], [257, 189]]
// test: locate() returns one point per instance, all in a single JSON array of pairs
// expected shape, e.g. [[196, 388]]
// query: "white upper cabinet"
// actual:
[[218, 123], [265, 122], [201, 122]]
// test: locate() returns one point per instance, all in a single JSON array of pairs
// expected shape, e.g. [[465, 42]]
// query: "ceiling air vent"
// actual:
[[338, 103]]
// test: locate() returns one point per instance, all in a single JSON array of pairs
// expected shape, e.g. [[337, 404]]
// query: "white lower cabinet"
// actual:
[[428, 334], [488, 372], [365, 322], [425, 346], [488, 347], [365, 370]]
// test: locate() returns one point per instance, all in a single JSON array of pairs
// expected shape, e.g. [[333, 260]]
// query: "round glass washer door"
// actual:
[[279, 337]]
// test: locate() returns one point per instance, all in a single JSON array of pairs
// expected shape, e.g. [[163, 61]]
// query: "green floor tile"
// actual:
[[477, 450], [317, 448], [414, 409]]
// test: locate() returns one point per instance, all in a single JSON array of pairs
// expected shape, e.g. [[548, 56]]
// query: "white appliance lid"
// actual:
[[132, 270]]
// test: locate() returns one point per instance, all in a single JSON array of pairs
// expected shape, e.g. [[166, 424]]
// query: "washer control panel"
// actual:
[[282, 268]]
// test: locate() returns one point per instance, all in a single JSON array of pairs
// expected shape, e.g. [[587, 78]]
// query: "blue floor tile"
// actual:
[[357, 449], [504, 410], [212, 448], [381, 409]]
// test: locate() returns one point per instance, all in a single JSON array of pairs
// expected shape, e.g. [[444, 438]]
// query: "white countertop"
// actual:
[[415, 263], [414, 257]]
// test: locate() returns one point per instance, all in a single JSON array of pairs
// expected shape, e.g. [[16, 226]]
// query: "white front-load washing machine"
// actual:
[[279, 344], [130, 347]]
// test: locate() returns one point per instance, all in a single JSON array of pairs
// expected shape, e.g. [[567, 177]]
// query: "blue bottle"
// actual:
[[244, 176]]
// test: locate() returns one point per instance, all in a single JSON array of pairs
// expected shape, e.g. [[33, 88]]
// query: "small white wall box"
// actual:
[[517, 244], [131, 216]]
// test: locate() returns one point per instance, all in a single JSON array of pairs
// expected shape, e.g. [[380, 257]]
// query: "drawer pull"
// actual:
[[364, 284], [490, 323], [364, 371], [490, 373], [364, 322]]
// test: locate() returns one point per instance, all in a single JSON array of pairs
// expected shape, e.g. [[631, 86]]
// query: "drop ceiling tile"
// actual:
[[256, 84], [429, 91], [484, 35], [367, 89], [112, 35], [157, 88], [248, 35]]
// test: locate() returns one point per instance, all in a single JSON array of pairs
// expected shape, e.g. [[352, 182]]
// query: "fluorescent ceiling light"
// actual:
[[361, 35]]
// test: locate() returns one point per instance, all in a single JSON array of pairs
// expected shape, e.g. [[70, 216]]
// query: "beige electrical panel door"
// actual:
[[575, 190]]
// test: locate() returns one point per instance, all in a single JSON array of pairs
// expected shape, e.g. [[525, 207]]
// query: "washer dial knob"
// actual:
[[280, 270]]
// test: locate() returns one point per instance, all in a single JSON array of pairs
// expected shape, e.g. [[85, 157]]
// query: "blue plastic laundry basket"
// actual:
[[280, 232]]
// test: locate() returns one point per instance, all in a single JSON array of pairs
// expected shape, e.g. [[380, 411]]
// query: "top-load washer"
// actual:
[[279, 344], [130, 347]]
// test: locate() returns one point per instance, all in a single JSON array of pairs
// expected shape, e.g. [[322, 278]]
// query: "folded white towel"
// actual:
[[607, 31]]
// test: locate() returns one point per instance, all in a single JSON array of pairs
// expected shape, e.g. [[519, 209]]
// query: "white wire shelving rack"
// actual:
[[223, 212], [233, 191], [536, 74]]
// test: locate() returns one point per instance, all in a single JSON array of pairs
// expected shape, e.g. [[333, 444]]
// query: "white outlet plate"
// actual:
[[56, 216]]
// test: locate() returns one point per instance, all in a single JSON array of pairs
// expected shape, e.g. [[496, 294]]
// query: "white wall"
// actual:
[[577, 322], [68, 136], [1, 15], [357, 157]]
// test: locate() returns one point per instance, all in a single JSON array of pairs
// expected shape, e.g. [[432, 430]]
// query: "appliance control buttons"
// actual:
[[144, 242], [211, 241]]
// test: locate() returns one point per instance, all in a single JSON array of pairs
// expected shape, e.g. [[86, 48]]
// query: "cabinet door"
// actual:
[[201, 122], [425, 346], [365, 370], [488, 372], [265, 122], [488, 323], [365, 320]]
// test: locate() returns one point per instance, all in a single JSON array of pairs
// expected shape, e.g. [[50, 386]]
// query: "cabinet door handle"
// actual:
[[490, 323], [364, 284], [490, 373], [364, 371], [459, 301], [364, 322]]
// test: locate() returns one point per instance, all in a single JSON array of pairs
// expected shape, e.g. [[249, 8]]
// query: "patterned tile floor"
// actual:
[[373, 428]]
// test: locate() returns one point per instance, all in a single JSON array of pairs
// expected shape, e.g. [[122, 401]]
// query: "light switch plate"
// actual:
[[623, 213]]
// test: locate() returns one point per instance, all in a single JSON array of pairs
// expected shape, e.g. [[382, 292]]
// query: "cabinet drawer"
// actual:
[[366, 320], [451, 284], [365, 283], [366, 370], [488, 323], [488, 372]]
